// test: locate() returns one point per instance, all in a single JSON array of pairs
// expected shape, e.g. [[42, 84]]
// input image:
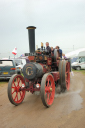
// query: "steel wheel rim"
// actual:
[[17, 95], [49, 90]]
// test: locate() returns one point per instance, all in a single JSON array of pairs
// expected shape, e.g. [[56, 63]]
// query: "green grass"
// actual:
[[2, 83], [82, 71]]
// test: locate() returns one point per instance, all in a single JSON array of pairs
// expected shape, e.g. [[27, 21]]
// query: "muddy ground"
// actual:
[[67, 111]]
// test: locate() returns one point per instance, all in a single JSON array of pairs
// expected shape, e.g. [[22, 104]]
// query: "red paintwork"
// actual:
[[31, 88], [31, 58], [49, 61], [26, 80], [56, 75], [44, 67]]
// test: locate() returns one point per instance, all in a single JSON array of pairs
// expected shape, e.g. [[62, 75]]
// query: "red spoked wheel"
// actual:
[[60, 71], [47, 89], [16, 95], [66, 75]]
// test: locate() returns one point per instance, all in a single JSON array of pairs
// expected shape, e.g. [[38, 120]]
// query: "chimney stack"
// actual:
[[31, 36]]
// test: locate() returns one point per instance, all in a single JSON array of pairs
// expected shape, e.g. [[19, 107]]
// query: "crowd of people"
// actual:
[[51, 50]]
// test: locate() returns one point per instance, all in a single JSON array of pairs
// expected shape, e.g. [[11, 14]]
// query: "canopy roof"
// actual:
[[76, 53]]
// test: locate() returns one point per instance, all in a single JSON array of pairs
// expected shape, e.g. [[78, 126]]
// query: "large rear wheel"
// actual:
[[47, 89], [16, 95], [60, 72], [66, 75]]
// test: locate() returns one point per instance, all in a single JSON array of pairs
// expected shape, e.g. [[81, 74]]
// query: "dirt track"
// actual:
[[67, 111]]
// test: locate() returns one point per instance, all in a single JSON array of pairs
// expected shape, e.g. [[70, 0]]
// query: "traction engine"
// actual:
[[43, 74]]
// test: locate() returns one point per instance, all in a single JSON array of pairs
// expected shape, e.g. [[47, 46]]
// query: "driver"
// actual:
[[48, 48]]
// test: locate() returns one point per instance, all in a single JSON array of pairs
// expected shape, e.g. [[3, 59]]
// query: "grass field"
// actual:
[[3, 81], [82, 71]]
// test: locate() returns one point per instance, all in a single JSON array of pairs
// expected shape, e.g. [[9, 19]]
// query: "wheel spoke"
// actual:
[[13, 87], [51, 85], [18, 81], [47, 97], [14, 84], [20, 94], [48, 82], [51, 96], [13, 91], [15, 97]]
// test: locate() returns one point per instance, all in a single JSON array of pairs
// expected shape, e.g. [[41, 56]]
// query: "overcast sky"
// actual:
[[60, 22]]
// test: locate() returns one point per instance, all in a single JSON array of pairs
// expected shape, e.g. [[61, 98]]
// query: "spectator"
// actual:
[[64, 56], [60, 51], [52, 51]]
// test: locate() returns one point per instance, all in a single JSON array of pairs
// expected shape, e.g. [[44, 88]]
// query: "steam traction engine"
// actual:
[[43, 74]]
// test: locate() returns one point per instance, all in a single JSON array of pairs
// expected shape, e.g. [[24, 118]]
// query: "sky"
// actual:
[[59, 22]]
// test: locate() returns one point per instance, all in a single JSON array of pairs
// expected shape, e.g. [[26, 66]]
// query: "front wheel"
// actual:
[[47, 89], [16, 95]]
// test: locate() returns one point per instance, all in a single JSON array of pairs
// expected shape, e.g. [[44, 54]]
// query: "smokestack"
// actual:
[[31, 35]]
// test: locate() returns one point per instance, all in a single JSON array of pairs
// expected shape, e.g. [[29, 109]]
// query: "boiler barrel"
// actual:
[[33, 70]]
